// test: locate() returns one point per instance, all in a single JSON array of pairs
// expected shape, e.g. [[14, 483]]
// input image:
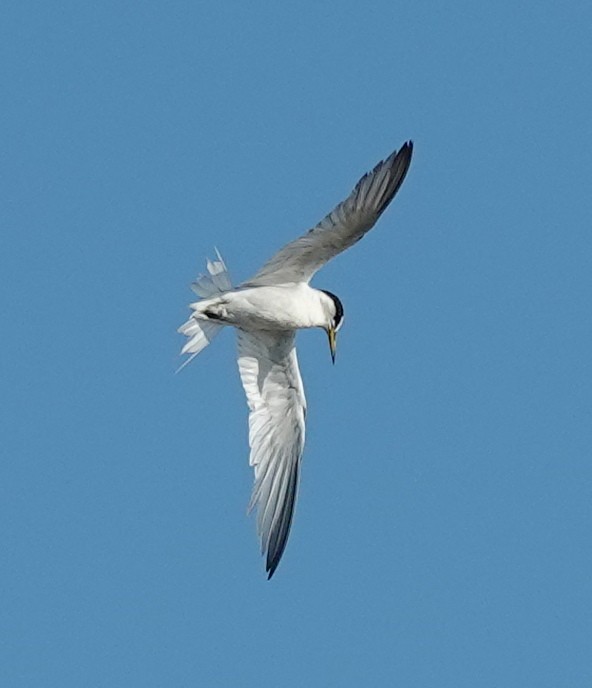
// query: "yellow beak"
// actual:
[[332, 342]]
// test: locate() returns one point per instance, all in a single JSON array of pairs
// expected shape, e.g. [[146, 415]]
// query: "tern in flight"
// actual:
[[266, 312]]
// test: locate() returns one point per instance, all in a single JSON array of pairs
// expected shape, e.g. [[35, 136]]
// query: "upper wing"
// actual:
[[346, 224], [269, 372]]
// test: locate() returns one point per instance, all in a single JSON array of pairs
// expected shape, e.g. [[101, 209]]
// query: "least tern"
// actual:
[[266, 311]]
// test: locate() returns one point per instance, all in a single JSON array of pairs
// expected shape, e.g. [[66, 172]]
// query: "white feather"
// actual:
[[217, 281], [201, 332], [269, 372]]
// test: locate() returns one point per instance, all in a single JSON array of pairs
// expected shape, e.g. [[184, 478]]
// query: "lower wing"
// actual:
[[269, 372]]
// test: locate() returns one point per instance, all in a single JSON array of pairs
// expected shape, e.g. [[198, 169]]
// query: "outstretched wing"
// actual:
[[269, 372], [347, 223]]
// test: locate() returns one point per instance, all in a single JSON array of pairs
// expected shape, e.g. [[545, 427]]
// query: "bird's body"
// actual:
[[274, 308], [267, 311]]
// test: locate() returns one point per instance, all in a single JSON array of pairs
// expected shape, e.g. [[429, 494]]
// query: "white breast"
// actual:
[[284, 307]]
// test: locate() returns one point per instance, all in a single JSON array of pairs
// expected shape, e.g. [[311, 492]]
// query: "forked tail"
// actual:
[[214, 283], [201, 332]]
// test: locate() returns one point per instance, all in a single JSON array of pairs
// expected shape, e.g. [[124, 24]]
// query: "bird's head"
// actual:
[[334, 312]]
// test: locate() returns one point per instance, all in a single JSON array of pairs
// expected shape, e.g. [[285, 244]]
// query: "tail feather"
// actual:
[[198, 329], [200, 333], [214, 283]]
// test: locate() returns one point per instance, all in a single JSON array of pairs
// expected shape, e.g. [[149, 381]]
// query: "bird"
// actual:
[[266, 311]]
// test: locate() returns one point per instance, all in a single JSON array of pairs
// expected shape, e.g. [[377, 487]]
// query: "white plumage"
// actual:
[[267, 310]]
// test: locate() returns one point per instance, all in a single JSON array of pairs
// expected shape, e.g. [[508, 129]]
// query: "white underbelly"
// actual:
[[287, 307]]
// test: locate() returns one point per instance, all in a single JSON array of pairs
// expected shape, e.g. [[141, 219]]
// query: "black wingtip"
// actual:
[[278, 537], [406, 150], [398, 162], [274, 556], [271, 566]]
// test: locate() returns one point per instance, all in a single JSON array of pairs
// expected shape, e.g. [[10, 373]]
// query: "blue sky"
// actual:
[[442, 535]]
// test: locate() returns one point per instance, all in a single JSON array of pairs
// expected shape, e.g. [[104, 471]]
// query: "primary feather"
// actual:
[[342, 227]]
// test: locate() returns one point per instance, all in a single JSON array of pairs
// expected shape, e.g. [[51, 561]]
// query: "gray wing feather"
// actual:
[[269, 372], [342, 227]]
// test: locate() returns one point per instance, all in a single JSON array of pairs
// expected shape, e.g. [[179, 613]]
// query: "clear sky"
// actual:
[[443, 531]]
